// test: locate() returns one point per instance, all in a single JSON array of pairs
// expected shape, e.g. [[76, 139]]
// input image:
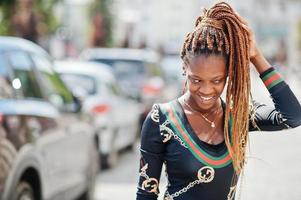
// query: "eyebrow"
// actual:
[[215, 77]]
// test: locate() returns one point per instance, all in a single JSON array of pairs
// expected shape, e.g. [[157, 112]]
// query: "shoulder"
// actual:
[[155, 117], [156, 112]]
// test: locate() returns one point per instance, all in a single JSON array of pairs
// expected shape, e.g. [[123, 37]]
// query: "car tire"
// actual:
[[110, 160], [93, 171], [24, 191], [7, 155]]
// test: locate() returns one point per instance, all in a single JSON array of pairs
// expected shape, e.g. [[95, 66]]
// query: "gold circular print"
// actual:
[[206, 174]]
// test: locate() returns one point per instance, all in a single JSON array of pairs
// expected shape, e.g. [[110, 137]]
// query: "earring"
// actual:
[[184, 71]]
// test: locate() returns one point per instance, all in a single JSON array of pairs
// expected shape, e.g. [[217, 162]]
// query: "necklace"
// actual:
[[212, 123]]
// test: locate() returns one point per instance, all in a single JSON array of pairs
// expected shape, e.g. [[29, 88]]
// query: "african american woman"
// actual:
[[199, 137]]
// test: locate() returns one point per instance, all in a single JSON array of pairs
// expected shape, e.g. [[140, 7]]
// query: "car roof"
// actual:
[[120, 53], [85, 68], [8, 43]]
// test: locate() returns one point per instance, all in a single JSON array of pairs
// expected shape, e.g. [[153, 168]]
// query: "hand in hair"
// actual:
[[256, 56], [254, 51]]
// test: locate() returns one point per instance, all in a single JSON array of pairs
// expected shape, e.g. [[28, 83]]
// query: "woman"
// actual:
[[200, 138]]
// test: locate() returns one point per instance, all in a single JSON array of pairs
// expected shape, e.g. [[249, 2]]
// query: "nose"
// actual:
[[206, 89]]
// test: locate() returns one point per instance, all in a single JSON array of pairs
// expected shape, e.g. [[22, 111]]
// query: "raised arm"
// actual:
[[286, 112]]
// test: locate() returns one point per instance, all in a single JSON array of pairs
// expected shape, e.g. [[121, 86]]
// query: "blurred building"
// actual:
[[164, 24], [72, 36], [155, 23]]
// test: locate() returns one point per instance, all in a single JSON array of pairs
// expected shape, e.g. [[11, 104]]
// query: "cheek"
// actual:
[[218, 89], [192, 88]]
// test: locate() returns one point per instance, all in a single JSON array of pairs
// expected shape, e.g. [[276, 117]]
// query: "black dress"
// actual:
[[195, 169]]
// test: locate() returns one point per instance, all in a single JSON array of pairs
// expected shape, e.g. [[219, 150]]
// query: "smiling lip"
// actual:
[[206, 100]]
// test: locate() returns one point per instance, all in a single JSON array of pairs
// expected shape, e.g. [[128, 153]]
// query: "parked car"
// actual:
[[47, 151], [115, 117], [136, 70]]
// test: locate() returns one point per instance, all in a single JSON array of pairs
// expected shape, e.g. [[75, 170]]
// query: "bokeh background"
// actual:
[[64, 28]]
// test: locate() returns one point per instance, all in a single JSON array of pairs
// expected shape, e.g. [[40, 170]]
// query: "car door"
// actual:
[[77, 135], [126, 113], [46, 136]]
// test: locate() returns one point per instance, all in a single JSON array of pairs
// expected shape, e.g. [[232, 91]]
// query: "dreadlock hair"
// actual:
[[220, 32]]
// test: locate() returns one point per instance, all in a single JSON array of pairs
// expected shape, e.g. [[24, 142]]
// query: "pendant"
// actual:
[[212, 125]]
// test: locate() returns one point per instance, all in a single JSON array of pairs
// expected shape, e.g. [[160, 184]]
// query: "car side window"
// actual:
[[55, 89], [3, 68], [154, 69], [6, 90], [24, 77], [114, 88]]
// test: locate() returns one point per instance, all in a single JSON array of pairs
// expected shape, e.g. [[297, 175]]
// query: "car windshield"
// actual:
[[80, 83]]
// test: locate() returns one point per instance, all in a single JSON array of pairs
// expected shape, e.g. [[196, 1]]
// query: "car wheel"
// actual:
[[110, 160], [7, 155], [89, 194], [24, 191], [93, 171]]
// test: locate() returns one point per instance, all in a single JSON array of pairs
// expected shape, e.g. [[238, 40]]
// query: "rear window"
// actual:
[[125, 68], [80, 83]]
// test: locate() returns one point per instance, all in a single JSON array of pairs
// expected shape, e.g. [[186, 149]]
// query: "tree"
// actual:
[[43, 18], [101, 34]]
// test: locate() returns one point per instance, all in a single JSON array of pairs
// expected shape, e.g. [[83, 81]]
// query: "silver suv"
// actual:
[[47, 151]]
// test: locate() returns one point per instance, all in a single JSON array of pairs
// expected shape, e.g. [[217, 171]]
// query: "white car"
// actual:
[[115, 117], [137, 71]]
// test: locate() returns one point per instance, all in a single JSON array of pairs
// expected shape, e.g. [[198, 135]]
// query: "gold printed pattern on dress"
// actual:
[[231, 193], [149, 184], [155, 113], [167, 133], [206, 174]]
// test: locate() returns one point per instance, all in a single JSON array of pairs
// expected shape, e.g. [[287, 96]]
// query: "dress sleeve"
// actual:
[[152, 153], [286, 112]]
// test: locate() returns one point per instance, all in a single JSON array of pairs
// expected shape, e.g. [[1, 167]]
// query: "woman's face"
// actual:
[[206, 79]]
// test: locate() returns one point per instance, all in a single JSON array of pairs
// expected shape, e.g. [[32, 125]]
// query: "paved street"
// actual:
[[272, 172]]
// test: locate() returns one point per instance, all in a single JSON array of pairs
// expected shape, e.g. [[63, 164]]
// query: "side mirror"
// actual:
[[77, 103], [74, 107]]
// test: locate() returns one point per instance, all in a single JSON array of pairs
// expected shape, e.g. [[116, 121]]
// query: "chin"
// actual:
[[206, 105]]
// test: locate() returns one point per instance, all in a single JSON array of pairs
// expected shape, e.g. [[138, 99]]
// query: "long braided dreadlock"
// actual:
[[219, 31]]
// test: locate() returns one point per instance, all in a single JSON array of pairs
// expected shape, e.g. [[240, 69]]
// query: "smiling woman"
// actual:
[[207, 79], [199, 137]]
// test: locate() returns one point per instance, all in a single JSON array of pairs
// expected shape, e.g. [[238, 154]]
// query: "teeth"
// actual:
[[206, 98]]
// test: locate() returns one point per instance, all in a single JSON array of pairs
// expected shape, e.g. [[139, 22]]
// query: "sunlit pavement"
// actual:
[[272, 172]]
